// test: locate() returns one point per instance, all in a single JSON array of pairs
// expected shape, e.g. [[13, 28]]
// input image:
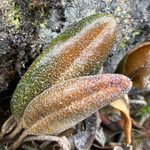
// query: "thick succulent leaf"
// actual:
[[122, 106], [136, 65], [67, 103], [78, 51]]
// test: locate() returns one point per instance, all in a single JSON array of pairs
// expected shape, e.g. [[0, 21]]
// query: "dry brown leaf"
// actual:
[[122, 106], [136, 65]]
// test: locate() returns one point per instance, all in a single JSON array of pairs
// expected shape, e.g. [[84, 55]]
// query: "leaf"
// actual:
[[122, 106], [79, 51], [136, 65], [66, 104]]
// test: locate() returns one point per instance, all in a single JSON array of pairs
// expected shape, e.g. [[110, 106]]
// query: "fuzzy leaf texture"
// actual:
[[66, 104], [79, 51]]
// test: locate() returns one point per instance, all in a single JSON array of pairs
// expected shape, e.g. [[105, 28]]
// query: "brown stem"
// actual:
[[62, 141]]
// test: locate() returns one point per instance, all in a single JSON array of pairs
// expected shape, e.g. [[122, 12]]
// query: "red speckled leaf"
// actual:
[[68, 103]]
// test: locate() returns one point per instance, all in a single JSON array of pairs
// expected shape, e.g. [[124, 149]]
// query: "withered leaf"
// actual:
[[122, 106], [136, 65], [8, 126]]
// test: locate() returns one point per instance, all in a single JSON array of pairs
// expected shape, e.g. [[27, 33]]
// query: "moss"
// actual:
[[21, 13], [14, 16], [126, 39], [36, 13], [145, 112]]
